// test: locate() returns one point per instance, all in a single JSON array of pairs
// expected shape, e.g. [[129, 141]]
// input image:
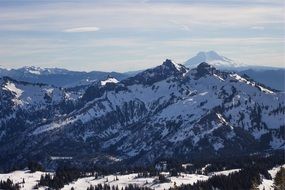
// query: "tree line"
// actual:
[[8, 184]]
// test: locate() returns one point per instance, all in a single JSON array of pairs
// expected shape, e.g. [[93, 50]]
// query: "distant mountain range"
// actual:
[[270, 76], [58, 77], [166, 112]]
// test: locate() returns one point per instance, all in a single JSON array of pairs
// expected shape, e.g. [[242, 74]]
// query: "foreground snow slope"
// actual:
[[31, 179]]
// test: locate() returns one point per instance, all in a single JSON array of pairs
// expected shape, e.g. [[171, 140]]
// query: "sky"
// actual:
[[131, 35]]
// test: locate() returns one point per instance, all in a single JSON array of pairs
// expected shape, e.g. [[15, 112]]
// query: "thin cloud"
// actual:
[[257, 28], [82, 29], [137, 16]]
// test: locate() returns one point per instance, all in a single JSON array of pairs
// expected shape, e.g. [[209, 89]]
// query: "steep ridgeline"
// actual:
[[164, 112]]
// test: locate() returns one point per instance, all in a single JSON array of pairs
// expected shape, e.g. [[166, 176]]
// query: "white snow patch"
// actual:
[[34, 72], [61, 158], [225, 172], [109, 80], [265, 90], [51, 126], [18, 92]]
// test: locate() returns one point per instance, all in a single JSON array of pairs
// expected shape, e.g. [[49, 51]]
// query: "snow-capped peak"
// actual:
[[212, 55], [109, 79], [161, 72], [172, 65], [212, 58], [34, 70]]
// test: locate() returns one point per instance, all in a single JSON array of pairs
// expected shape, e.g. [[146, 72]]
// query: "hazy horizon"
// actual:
[[136, 70]]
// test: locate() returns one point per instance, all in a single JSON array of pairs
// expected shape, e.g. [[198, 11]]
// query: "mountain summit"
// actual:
[[212, 58], [159, 73]]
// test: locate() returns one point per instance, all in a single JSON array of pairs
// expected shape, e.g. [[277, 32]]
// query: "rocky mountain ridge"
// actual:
[[164, 112]]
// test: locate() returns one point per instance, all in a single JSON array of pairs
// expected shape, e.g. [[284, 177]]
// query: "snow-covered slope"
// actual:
[[28, 94], [24, 104], [18, 177], [214, 59], [31, 179], [164, 112]]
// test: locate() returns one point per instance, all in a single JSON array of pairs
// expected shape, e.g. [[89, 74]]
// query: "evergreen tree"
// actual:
[[35, 166], [279, 181], [9, 185]]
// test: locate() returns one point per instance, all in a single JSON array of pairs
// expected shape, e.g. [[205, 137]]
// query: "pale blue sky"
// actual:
[[132, 35]]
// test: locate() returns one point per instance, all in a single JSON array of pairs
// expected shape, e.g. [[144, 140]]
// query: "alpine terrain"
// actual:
[[165, 112]]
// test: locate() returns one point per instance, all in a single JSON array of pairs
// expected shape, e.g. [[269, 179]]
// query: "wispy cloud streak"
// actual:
[[82, 29]]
